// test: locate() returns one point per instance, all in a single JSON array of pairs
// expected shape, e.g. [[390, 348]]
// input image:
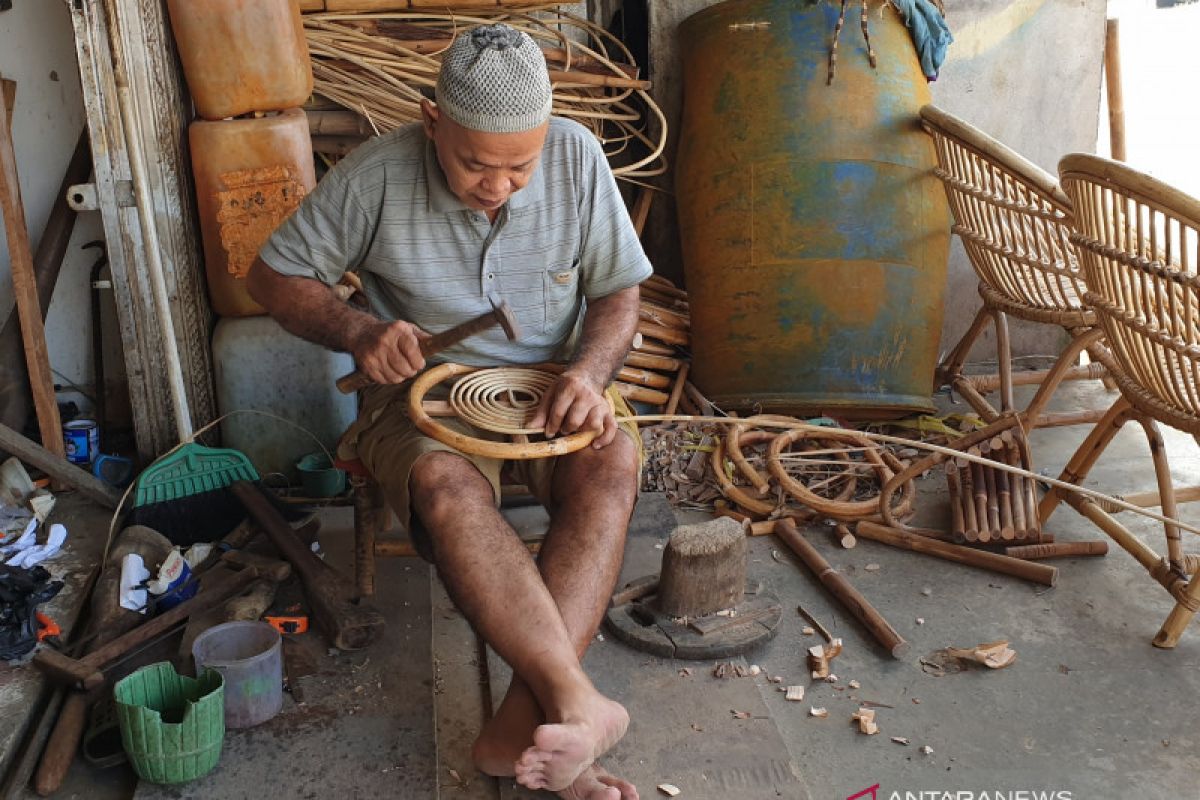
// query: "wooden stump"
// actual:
[[703, 569]]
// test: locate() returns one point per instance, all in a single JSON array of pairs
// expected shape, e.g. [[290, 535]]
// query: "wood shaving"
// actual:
[[807, 631], [670, 789], [854, 684], [900, 740], [819, 713], [926, 750], [871, 568], [794, 693], [741, 714]]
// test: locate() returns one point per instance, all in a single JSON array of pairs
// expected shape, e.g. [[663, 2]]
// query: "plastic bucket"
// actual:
[[248, 656], [319, 477], [172, 726]]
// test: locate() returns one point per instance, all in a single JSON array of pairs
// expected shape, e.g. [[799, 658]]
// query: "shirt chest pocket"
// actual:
[[561, 286]]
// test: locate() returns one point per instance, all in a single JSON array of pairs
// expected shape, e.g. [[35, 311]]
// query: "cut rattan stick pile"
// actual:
[[656, 369], [989, 506], [380, 65]]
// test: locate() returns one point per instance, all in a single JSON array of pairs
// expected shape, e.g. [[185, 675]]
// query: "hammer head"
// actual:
[[504, 316]]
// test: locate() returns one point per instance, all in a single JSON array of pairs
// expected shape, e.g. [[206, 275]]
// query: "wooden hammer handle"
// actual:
[[842, 589], [348, 384]]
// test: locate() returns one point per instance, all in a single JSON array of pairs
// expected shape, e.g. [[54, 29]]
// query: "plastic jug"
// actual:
[[250, 176], [242, 55]]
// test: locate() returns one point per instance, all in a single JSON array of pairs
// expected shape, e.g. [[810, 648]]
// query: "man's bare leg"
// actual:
[[593, 497], [491, 578]]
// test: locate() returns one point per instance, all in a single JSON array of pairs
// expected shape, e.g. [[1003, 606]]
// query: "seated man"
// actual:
[[490, 197]]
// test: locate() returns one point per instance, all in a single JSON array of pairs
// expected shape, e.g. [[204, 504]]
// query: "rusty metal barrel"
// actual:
[[815, 235]]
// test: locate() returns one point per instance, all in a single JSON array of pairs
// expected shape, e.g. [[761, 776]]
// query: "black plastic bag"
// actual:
[[21, 592]]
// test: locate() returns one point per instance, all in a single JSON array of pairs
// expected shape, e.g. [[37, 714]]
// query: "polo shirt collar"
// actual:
[[444, 201]]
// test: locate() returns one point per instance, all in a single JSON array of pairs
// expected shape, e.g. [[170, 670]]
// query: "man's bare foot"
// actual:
[[561, 751], [596, 784]]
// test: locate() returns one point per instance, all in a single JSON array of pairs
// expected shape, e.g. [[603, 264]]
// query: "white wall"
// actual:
[[37, 51]]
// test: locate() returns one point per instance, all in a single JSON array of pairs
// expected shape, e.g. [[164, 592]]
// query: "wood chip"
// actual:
[[820, 656], [900, 740], [755, 669], [927, 591], [926, 750], [865, 717], [807, 631], [871, 568], [854, 684], [670, 789], [831, 678], [794, 693], [920, 620], [740, 714], [819, 713]]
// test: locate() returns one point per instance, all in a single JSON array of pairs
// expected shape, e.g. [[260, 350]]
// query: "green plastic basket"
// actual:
[[172, 726]]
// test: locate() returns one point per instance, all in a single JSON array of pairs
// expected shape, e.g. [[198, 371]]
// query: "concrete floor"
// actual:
[[1089, 708]]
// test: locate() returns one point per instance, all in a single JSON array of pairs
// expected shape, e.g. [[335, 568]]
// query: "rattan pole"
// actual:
[[993, 505], [1006, 512], [677, 389], [979, 492], [1032, 552], [842, 589], [1112, 83], [1028, 570], [958, 526], [971, 532]]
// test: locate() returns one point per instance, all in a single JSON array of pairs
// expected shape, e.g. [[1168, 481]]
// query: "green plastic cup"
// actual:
[[172, 726]]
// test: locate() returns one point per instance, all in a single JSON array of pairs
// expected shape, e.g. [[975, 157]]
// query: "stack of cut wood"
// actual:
[[656, 369]]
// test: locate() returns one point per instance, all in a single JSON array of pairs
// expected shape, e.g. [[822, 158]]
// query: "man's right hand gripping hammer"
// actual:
[[392, 352]]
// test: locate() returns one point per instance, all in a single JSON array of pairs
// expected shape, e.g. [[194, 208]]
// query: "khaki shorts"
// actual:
[[388, 443]]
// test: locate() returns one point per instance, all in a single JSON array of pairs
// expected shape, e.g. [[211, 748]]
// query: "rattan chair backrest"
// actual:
[[1012, 217], [1139, 243]]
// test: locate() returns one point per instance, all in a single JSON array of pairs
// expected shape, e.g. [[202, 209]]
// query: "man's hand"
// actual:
[[389, 352], [576, 403]]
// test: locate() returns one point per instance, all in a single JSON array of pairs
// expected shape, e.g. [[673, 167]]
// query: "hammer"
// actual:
[[500, 315]]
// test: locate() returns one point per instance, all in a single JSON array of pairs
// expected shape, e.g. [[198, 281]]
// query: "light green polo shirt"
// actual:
[[386, 213]]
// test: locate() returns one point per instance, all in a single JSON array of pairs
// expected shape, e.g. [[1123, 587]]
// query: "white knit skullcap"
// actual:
[[494, 79]]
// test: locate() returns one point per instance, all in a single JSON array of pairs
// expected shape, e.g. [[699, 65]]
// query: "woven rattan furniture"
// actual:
[[1139, 244], [1014, 222]]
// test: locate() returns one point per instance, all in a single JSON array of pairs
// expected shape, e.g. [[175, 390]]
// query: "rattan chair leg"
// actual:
[[1180, 617], [1166, 490], [951, 367], [1066, 361], [1086, 455], [1004, 355]]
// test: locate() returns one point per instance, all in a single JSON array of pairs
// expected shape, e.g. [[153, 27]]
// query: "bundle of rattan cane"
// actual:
[[381, 65]]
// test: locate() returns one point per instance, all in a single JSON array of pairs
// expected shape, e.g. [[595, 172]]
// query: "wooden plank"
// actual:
[[159, 96], [33, 332], [58, 467]]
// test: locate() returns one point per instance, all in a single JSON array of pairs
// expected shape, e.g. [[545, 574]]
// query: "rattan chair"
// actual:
[[1139, 244], [1014, 222]]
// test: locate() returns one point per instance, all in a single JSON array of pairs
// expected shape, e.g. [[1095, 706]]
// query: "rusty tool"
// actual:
[[500, 315], [349, 624]]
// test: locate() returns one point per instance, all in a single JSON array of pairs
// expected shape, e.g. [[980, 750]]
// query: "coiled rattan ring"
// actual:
[[498, 399]]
